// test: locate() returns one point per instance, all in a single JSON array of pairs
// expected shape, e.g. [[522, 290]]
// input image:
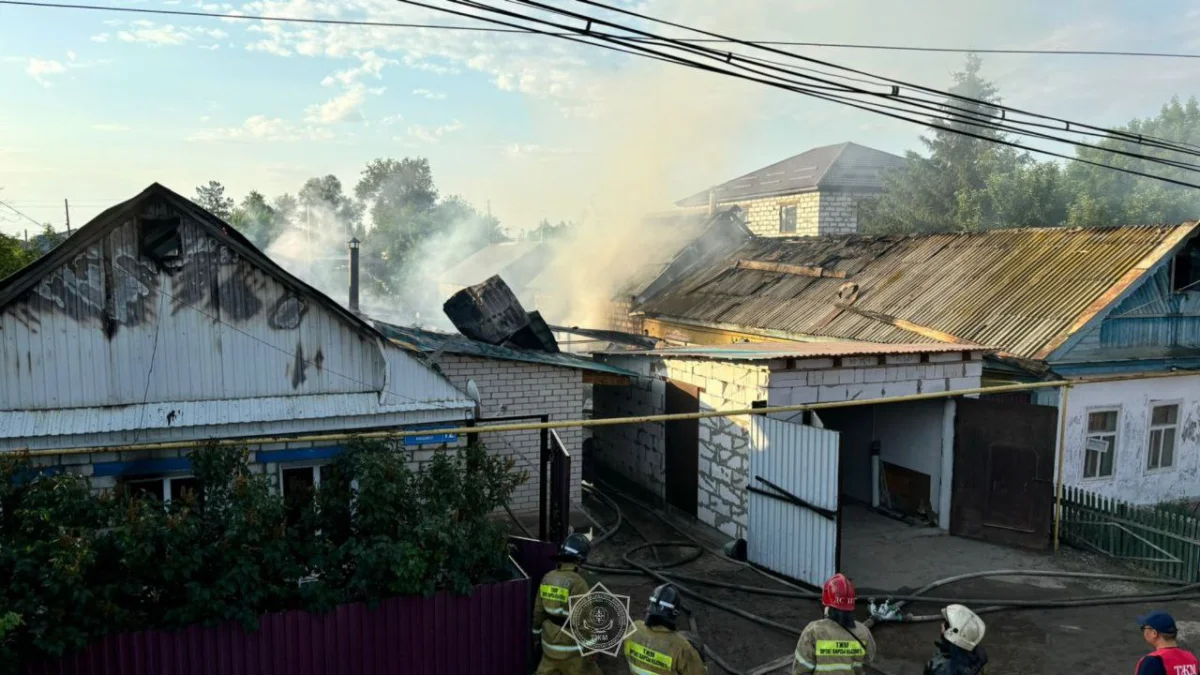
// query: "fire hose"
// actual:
[[1184, 590]]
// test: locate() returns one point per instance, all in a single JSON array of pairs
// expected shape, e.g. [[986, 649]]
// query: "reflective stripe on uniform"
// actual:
[[640, 671], [559, 648], [648, 657], [840, 648], [555, 593], [803, 662], [557, 611]]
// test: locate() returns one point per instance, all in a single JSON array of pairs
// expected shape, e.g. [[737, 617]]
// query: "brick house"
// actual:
[[159, 324], [814, 193], [512, 383]]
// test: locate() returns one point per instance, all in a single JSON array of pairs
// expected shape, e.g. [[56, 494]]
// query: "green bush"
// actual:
[[81, 565]]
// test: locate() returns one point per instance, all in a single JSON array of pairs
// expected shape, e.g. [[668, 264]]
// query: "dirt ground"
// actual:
[[1100, 639]]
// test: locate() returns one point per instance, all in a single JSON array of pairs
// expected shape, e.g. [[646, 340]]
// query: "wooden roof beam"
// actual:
[[798, 270]]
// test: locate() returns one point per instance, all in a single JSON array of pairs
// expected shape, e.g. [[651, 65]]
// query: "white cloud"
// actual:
[[160, 36], [164, 35], [262, 128], [370, 64], [110, 127], [70, 56], [434, 134], [431, 95], [341, 108], [518, 150], [391, 119], [41, 69]]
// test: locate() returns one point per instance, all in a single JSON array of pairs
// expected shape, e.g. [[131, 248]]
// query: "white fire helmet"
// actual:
[[963, 627]]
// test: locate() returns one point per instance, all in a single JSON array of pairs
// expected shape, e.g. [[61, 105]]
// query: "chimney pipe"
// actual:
[[712, 202], [354, 275]]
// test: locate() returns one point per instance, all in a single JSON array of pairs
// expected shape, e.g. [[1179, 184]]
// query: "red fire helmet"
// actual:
[[838, 593]]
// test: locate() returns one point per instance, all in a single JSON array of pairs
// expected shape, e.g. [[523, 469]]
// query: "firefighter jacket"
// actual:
[[827, 647], [551, 610], [954, 660], [658, 650]]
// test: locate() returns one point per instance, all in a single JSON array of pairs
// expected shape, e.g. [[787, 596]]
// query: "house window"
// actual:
[[162, 488], [787, 219], [1164, 426], [1101, 443], [300, 485], [1185, 272]]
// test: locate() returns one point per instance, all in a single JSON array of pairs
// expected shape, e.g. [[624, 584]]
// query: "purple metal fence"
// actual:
[[484, 633], [535, 558]]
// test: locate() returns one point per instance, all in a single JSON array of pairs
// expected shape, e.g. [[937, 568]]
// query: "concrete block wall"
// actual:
[[634, 452], [762, 215], [724, 441], [817, 213], [818, 381], [838, 213], [515, 388]]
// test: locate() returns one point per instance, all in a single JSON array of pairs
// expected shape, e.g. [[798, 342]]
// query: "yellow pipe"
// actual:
[[1062, 452], [609, 421], [561, 424]]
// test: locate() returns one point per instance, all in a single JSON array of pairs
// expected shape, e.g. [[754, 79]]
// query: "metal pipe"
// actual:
[[1062, 455], [610, 421]]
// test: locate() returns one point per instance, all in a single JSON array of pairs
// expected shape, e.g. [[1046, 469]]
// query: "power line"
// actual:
[[587, 35], [484, 29], [761, 46], [20, 213]]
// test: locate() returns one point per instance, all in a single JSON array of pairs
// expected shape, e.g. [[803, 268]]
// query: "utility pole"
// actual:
[[67, 209]]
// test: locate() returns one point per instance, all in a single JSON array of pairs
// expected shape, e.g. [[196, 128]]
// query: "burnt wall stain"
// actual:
[[289, 311], [171, 417], [319, 359], [111, 288], [299, 366]]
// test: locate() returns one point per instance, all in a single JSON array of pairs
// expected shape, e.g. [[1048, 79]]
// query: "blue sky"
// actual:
[[98, 105]]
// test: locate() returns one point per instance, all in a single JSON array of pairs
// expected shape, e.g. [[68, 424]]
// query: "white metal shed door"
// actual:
[[793, 523]]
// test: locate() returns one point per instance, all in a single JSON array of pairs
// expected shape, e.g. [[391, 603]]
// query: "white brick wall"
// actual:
[[817, 213], [635, 452], [514, 388]]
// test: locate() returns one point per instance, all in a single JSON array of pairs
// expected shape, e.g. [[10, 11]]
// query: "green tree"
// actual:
[[257, 220], [967, 183], [326, 193], [547, 232], [14, 255], [286, 207], [1101, 196], [396, 189], [212, 198]]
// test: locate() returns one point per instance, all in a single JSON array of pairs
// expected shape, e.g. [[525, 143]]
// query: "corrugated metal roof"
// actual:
[[158, 301], [185, 414], [846, 166], [427, 341], [756, 351], [1024, 291], [518, 262]]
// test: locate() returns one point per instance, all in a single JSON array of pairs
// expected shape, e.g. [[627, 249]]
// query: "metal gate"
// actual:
[[1003, 472], [793, 518]]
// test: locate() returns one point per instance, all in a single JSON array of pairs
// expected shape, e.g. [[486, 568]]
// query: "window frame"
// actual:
[[1115, 434], [166, 479], [795, 211], [1151, 427], [1193, 270]]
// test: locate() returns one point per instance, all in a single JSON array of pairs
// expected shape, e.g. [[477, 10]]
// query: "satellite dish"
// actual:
[[473, 392]]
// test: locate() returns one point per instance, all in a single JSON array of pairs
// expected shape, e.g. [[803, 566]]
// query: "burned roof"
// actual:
[[429, 341], [1025, 291], [762, 351], [844, 167], [24, 280]]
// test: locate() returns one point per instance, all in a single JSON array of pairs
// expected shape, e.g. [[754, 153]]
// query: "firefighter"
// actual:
[[656, 647], [958, 651], [560, 654], [1159, 631], [836, 642]]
